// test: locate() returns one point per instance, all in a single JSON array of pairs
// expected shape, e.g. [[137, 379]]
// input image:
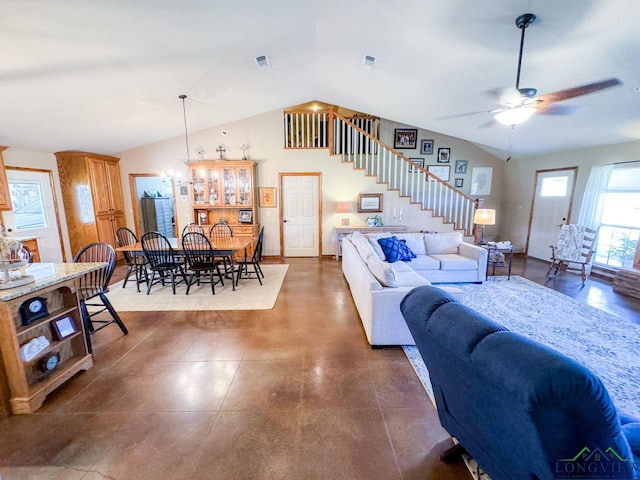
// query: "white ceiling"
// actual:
[[105, 75]]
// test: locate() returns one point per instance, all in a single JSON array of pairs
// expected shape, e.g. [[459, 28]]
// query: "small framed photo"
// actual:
[[426, 147], [369, 202], [459, 182], [440, 171], [461, 166], [444, 155], [63, 327], [405, 138], [267, 197], [416, 162], [245, 216]]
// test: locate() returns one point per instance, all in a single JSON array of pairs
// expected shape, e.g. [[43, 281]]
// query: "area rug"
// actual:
[[608, 345], [249, 295]]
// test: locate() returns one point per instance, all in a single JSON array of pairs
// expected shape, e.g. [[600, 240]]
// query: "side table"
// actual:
[[499, 258]]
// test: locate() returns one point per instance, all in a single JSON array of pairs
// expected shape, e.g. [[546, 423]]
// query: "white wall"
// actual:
[[518, 192], [264, 135]]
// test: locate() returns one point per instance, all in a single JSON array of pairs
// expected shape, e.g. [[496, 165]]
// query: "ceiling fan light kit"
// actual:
[[515, 116]]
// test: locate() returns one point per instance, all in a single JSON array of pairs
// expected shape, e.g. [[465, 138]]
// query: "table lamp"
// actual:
[[484, 217], [344, 207]]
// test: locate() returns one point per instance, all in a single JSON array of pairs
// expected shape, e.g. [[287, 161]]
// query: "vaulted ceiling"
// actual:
[[105, 75]]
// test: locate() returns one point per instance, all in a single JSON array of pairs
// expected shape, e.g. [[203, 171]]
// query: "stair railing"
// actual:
[[361, 147]]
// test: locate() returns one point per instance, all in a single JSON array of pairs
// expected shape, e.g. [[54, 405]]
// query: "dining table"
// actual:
[[222, 247]]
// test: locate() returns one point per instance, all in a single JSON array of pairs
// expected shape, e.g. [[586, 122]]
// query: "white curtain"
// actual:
[[593, 198]]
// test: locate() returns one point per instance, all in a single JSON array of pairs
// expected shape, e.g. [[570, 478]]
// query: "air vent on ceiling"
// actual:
[[368, 61], [262, 61]]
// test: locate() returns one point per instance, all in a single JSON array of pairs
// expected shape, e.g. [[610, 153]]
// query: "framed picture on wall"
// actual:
[[416, 162], [461, 166], [426, 147], [481, 180], [405, 138], [267, 197], [369, 202], [459, 183], [444, 155], [440, 171]]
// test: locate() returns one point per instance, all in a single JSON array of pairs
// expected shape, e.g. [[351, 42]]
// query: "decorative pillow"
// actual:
[[383, 272], [395, 249], [362, 245], [442, 243]]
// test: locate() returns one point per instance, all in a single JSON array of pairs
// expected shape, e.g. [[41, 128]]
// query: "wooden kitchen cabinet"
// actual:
[[92, 196]]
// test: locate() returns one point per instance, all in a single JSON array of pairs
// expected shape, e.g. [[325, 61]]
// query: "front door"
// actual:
[[35, 212], [300, 200], [553, 197]]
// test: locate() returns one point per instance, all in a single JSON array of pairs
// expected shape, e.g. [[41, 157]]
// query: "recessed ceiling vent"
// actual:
[[262, 61], [369, 61]]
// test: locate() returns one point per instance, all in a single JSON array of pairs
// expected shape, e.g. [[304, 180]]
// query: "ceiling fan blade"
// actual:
[[459, 115], [578, 91], [553, 109]]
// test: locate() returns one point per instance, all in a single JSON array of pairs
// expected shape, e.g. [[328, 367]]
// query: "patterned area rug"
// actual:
[[249, 295], [606, 344]]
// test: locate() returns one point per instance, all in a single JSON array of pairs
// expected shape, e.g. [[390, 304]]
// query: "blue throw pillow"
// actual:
[[395, 249]]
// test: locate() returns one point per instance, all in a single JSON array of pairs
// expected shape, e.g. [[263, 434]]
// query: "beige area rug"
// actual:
[[249, 295]]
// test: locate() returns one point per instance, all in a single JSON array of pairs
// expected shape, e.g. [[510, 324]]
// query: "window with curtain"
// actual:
[[620, 221]]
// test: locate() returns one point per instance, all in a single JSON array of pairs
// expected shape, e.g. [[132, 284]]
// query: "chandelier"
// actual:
[[171, 178]]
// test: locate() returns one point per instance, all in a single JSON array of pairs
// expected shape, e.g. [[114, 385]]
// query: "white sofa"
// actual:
[[378, 287]]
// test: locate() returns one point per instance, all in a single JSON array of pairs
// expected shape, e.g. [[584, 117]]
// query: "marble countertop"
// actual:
[[47, 274]]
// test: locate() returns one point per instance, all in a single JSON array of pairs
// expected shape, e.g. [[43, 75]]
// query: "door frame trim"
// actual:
[[533, 197], [137, 224], [55, 202], [281, 220]]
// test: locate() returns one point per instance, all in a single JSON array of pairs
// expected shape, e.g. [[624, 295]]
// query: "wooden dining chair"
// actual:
[[201, 260], [192, 227], [93, 287], [163, 261], [254, 259], [136, 263]]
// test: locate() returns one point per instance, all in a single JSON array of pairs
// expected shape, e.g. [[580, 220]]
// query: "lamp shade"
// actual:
[[344, 207], [484, 216]]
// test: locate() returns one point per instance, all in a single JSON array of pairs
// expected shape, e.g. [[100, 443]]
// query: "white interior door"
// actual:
[[300, 215], [34, 212], [551, 208]]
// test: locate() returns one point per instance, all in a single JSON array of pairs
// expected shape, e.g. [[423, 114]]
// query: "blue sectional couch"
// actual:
[[520, 409]]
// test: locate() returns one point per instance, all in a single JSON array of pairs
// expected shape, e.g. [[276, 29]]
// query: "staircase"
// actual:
[[355, 139]]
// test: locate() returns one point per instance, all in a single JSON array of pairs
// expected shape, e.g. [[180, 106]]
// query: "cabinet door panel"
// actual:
[[100, 186], [113, 174]]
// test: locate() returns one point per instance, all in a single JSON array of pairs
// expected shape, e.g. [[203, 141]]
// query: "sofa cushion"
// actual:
[[456, 262], [410, 278], [425, 262], [442, 243], [415, 241], [382, 271], [395, 249]]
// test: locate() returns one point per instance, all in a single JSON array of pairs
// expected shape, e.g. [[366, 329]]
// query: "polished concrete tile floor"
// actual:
[[290, 393]]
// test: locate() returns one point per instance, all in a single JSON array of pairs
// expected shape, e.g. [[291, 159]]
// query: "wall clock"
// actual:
[[33, 309]]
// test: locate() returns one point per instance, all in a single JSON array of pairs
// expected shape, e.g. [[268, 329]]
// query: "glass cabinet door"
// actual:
[[229, 186], [212, 183], [198, 188], [244, 187]]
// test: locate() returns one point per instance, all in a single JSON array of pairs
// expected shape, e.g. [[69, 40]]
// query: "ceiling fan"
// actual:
[[519, 104]]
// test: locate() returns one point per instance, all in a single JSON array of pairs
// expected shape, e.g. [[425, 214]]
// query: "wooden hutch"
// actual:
[[225, 190]]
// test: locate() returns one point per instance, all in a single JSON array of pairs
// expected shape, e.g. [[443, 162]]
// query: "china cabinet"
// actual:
[[225, 191]]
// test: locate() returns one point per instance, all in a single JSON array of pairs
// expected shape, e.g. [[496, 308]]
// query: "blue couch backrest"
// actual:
[[521, 409]]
